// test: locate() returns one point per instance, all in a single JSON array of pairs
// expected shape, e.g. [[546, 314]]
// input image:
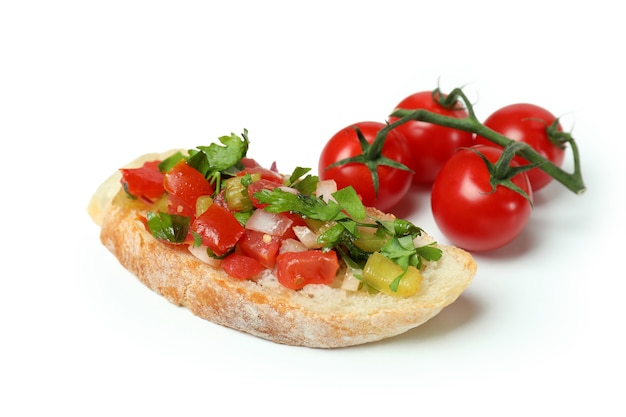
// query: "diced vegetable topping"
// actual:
[[247, 218]]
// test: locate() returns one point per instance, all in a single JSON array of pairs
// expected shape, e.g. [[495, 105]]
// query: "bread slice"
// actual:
[[318, 316]]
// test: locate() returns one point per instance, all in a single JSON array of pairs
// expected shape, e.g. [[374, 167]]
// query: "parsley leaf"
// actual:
[[281, 201], [215, 159], [349, 200], [169, 227]]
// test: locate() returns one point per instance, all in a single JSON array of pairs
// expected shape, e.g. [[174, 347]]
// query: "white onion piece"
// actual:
[[271, 223], [325, 189], [350, 282], [291, 245], [200, 252], [307, 236]]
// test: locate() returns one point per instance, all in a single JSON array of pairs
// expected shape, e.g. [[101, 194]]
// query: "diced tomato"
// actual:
[[297, 269], [176, 205], [257, 186], [249, 162], [145, 181], [184, 185], [218, 228], [241, 266], [297, 220], [266, 174], [260, 246]]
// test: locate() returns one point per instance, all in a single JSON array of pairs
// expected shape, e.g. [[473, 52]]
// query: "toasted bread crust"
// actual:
[[267, 310], [318, 316]]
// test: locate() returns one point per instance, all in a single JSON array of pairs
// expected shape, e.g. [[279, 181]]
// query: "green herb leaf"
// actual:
[[401, 250], [307, 185], [281, 201], [169, 162], [215, 158], [297, 174], [349, 200], [429, 252], [197, 239], [169, 227]]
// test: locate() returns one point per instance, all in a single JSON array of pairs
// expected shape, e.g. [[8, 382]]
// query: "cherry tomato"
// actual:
[[294, 270], [145, 181], [466, 210], [431, 145], [527, 123], [394, 183]]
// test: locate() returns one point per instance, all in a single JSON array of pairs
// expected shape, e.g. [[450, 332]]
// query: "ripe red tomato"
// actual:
[[527, 123], [218, 228], [296, 269], [394, 183], [241, 266], [431, 145], [468, 213], [260, 246], [145, 181], [184, 185]]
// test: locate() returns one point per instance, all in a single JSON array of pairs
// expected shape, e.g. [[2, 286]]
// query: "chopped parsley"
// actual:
[[345, 215], [347, 228]]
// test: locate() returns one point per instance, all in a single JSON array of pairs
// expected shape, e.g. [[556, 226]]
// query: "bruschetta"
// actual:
[[287, 258]]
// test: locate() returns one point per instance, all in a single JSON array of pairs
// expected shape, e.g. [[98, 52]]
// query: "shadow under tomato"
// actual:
[[521, 245], [417, 199]]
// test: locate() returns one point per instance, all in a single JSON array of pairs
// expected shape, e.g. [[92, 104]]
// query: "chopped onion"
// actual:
[[350, 282], [307, 236], [325, 189], [271, 223], [288, 189], [291, 245], [201, 253]]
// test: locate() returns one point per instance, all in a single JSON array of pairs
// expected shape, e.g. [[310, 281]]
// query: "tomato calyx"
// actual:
[[557, 136], [452, 101], [501, 172], [372, 157]]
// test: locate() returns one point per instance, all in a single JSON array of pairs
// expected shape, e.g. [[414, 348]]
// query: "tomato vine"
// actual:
[[572, 180]]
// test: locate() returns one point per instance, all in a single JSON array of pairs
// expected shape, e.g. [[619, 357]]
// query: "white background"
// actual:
[[87, 86]]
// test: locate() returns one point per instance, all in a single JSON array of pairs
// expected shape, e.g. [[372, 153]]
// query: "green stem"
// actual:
[[573, 181]]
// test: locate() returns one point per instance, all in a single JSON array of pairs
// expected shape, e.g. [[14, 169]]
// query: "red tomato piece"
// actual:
[[256, 186], [260, 246], [184, 185], [297, 269], [266, 174], [146, 181], [241, 266], [218, 228], [296, 220], [466, 210], [394, 183], [249, 162], [527, 123], [431, 145]]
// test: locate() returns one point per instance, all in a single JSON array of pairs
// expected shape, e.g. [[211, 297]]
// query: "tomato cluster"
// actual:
[[481, 191]]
